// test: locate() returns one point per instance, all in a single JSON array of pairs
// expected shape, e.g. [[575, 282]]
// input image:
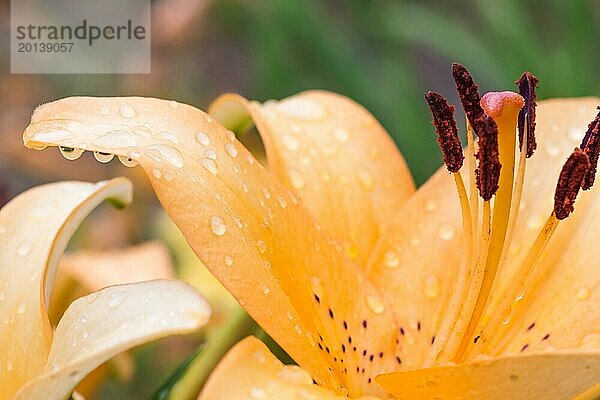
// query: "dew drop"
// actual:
[[583, 293], [446, 232], [173, 104], [217, 225], [210, 165], [257, 393], [24, 249], [211, 154], [391, 260], [115, 300], [298, 329], [290, 142], [228, 260], [262, 246], [296, 179], [126, 110], [365, 179], [70, 153], [128, 161], [375, 304], [302, 109], [575, 134], [52, 136], [282, 201], [203, 139], [116, 139], [21, 308], [341, 135], [170, 154], [103, 157], [231, 150], [266, 290], [169, 137], [431, 287]]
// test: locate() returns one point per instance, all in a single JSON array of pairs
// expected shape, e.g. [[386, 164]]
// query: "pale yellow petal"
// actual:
[[101, 325], [335, 155], [95, 270], [248, 229], [35, 227], [250, 372], [540, 376]]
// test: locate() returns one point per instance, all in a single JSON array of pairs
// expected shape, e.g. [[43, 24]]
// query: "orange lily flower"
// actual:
[[375, 289], [36, 362]]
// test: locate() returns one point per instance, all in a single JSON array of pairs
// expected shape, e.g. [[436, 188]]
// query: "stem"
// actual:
[[238, 326]]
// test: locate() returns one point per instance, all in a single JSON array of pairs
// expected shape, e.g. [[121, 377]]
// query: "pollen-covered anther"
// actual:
[[469, 97], [488, 169], [569, 182], [591, 146], [445, 126], [527, 84]]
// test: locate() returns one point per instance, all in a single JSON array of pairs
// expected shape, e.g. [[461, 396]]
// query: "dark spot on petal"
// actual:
[[530, 327]]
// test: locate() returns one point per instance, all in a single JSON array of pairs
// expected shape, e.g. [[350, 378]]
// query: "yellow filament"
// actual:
[[473, 195], [460, 337], [460, 290], [522, 274]]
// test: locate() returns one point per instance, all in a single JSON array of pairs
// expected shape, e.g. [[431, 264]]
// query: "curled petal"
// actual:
[[35, 227], [101, 325]]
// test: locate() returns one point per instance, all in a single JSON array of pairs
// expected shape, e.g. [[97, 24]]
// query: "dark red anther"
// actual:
[[569, 182], [527, 84], [445, 126], [488, 168], [591, 146], [469, 97]]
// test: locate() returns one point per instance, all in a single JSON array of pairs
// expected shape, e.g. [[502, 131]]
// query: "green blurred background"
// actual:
[[384, 54]]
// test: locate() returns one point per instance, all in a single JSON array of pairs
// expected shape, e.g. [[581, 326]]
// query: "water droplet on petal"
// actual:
[[262, 246], [291, 142], [21, 308], [298, 329], [203, 139], [115, 299], [341, 135], [365, 179], [126, 110], [210, 153], [24, 249], [173, 104], [302, 109], [391, 259], [266, 289], [583, 293], [169, 137], [375, 304], [217, 225], [52, 136], [128, 161], [446, 232], [210, 165], [296, 179], [103, 157], [431, 287], [116, 139], [70, 153], [228, 260], [168, 153], [231, 150]]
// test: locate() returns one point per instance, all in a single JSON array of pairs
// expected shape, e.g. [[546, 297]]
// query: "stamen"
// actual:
[[469, 97], [527, 84], [445, 126], [591, 146], [488, 168], [569, 182]]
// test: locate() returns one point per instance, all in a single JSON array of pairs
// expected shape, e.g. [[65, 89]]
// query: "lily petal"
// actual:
[[258, 374], [101, 325], [517, 377], [247, 229], [96, 270], [415, 265], [35, 228], [335, 155]]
